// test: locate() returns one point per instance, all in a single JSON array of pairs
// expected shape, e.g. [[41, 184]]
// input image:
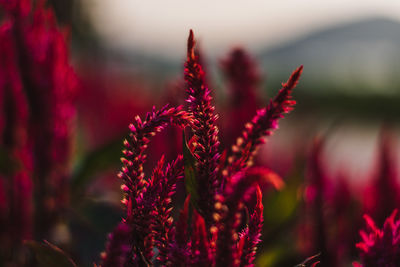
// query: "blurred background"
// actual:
[[129, 56], [350, 50]]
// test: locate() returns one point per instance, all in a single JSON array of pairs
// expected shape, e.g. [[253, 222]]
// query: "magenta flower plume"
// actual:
[[148, 201], [317, 188], [180, 247], [243, 77], [118, 246], [252, 233], [262, 125], [344, 218], [132, 173], [42, 69], [317, 198], [205, 131], [162, 190], [201, 249], [208, 228], [16, 159], [383, 194], [329, 211], [14, 106], [229, 207], [380, 247], [14, 113]]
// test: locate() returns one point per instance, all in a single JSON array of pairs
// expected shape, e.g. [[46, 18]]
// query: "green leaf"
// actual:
[[94, 162], [269, 257], [191, 181], [48, 255]]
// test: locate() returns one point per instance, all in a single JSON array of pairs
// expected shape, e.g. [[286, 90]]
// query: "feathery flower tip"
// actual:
[[191, 43], [294, 78]]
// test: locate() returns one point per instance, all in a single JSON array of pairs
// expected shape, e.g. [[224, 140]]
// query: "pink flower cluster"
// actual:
[[37, 90], [219, 187], [380, 247]]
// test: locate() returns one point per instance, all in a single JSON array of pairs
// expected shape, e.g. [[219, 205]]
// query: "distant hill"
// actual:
[[358, 57], [351, 69], [361, 57]]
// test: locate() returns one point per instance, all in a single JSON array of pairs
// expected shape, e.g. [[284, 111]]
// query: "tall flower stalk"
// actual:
[[243, 78], [40, 67], [383, 194], [37, 88], [146, 200], [209, 230], [262, 125], [206, 143], [16, 165]]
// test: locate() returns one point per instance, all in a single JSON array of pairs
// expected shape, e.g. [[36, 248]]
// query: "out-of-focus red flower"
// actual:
[[382, 196], [147, 201], [106, 103], [16, 158], [243, 78], [204, 129], [39, 88], [330, 217], [263, 124], [315, 198], [251, 235], [380, 247]]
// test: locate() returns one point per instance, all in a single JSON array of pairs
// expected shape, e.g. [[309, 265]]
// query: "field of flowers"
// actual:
[[99, 176]]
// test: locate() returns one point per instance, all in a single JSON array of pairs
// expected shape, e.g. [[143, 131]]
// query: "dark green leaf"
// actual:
[[48, 255], [95, 162], [191, 182]]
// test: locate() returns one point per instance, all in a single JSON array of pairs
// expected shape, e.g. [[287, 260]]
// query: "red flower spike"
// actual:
[[262, 125], [229, 216], [380, 247], [42, 70], [162, 192], [214, 238], [141, 132], [243, 77], [201, 250], [179, 253], [383, 194], [148, 201], [316, 197], [150, 220], [205, 130], [252, 234], [118, 246], [142, 216]]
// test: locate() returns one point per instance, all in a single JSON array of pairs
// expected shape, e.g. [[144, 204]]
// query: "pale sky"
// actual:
[[161, 27]]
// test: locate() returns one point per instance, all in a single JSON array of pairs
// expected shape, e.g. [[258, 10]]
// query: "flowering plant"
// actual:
[[221, 221], [218, 187]]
